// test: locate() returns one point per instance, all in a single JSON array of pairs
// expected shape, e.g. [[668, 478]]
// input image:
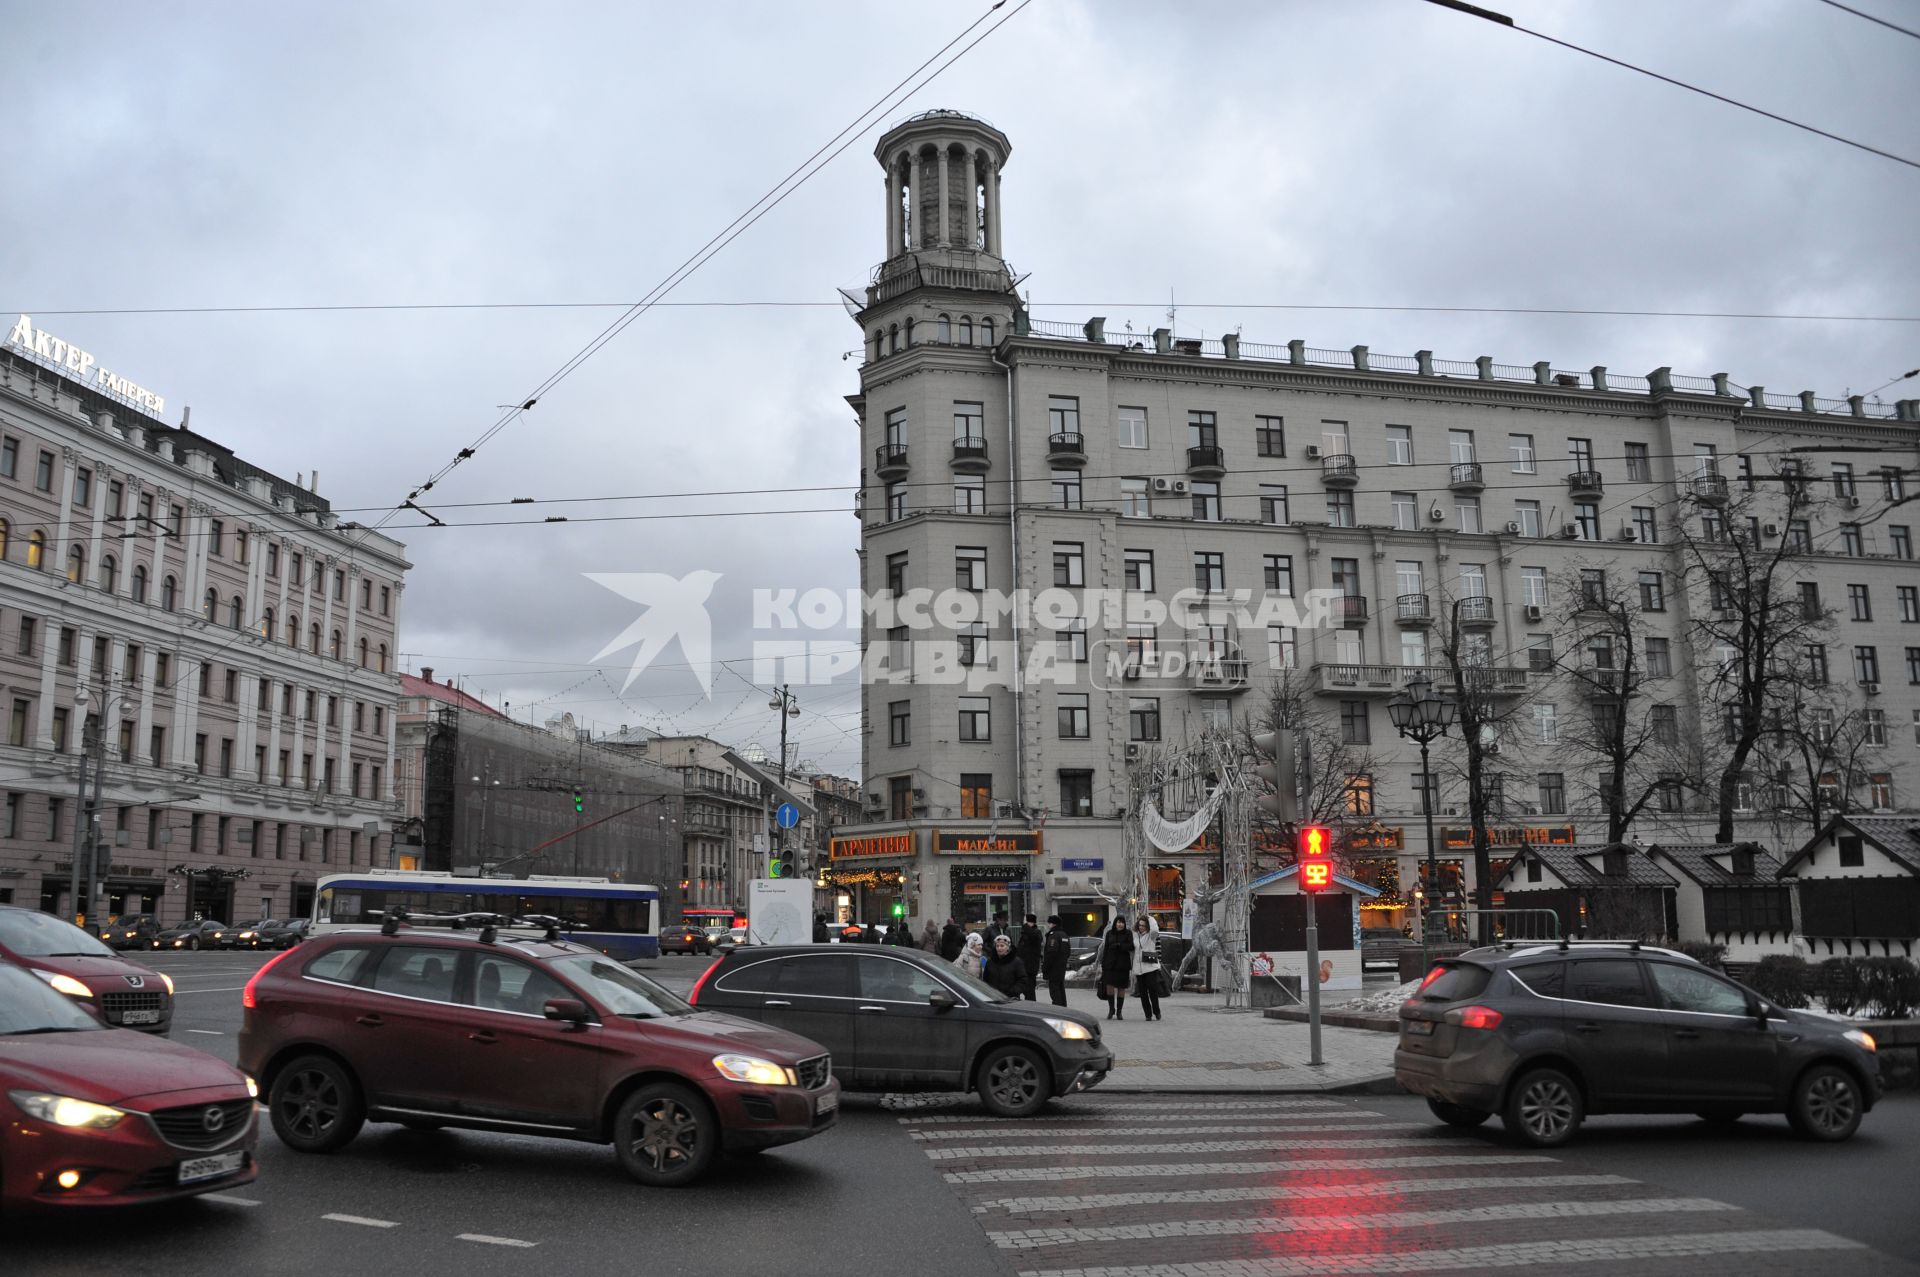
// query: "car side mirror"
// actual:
[[570, 1010], [941, 1000], [1760, 1011]]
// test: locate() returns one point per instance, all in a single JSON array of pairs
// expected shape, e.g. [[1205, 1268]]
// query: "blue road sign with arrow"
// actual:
[[786, 815]]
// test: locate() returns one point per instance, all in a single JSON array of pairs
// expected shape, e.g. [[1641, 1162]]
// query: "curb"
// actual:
[[1340, 1019], [1378, 1084]]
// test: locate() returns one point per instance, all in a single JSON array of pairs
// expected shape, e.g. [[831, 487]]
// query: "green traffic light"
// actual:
[[899, 910]]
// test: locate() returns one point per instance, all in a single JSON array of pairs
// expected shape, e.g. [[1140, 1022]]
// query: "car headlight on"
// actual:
[[253, 1089], [65, 984], [64, 1110], [751, 1068], [1860, 1039], [168, 981], [1069, 1030]]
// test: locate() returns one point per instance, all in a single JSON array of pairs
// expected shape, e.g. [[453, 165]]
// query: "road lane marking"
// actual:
[[1366, 1222], [1252, 1166], [210, 1032], [493, 1241], [231, 1201], [1611, 1250], [1288, 1122], [362, 1219], [1251, 1107], [1297, 1192], [1196, 1146]]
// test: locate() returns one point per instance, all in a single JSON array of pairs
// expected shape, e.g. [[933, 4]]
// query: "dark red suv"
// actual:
[[433, 1028]]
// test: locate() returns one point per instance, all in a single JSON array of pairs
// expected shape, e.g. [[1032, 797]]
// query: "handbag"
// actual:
[[1162, 986]]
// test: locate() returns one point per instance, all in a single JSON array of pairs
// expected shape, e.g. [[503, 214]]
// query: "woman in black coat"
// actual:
[[1003, 969], [1116, 967]]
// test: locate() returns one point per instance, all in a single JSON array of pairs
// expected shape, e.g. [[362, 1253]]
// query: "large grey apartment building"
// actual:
[[226, 641], [1005, 453]]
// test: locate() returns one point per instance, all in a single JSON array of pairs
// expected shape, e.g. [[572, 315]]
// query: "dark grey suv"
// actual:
[[1545, 1035], [902, 1020]]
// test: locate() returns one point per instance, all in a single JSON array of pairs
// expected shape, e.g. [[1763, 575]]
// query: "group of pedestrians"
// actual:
[[1131, 960]]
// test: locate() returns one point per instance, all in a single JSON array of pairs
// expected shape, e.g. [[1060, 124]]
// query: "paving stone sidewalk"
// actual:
[[1201, 1046]]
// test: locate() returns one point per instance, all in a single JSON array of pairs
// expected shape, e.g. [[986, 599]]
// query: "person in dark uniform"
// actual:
[[953, 938], [1054, 953], [1028, 945], [819, 928]]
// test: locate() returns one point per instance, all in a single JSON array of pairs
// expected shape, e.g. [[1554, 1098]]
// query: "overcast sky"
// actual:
[[1379, 152]]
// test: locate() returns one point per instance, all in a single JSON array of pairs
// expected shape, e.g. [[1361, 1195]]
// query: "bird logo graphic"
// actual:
[[675, 608]]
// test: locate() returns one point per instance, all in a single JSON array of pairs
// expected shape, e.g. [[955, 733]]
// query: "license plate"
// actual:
[[139, 1017], [1420, 1028], [211, 1167], [828, 1103]]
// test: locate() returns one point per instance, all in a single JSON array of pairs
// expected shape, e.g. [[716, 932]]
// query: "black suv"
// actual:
[[901, 1020], [1546, 1034]]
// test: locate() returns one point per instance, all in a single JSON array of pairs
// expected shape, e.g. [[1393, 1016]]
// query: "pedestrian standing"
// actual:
[[1054, 953], [930, 938], [872, 934], [819, 928], [1003, 969], [952, 940], [1146, 966], [1116, 967], [972, 954], [1028, 947]]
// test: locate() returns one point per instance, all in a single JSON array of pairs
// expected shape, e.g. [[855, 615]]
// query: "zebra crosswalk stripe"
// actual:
[[1193, 1146], [1251, 1166], [1349, 1121], [1297, 1192]]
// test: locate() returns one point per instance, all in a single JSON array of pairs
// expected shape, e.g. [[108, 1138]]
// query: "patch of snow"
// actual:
[[1386, 1002]]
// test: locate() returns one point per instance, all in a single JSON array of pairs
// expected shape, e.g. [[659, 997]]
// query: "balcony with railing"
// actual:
[[1474, 613], [1339, 470], [1386, 680], [1219, 674], [1466, 477], [890, 461], [1585, 485], [1412, 611], [1350, 610], [1603, 685], [970, 454], [1710, 489], [1067, 448], [1207, 462]]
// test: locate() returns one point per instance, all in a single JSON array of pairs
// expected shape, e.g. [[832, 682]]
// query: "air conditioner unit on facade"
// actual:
[[1871, 689], [1436, 515], [1513, 525], [1569, 532], [1133, 749], [1493, 747], [1313, 452], [1852, 503], [1449, 811], [1627, 533], [1531, 611], [920, 795], [1161, 485], [1179, 485], [1769, 529]]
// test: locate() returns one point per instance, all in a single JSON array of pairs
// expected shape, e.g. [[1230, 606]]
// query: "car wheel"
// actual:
[[1457, 1114], [666, 1135], [1826, 1104], [316, 1105], [193, 942], [1013, 1082], [1543, 1109]]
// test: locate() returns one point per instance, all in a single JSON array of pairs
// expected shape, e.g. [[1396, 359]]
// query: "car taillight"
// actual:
[[1433, 975], [247, 999], [693, 998], [1475, 1017]]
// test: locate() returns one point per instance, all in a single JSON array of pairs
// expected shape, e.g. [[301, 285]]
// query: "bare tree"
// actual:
[[1745, 558], [1329, 763], [1815, 757]]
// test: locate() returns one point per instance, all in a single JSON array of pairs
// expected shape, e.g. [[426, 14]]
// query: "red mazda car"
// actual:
[[94, 1116], [536, 1037], [72, 962]]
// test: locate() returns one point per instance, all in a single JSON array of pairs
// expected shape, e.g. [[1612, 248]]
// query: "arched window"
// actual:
[[211, 609], [313, 638], [363, 654], [943, 330], [169, 594], [966, 330], [37, 551], [77, 564], [986, 332], [139, 583], [879, 342], [909, 332], [333, 649], [893, 339], [4, 527], [266, 624], [236, 612], [293, 630], [383, 658], [109, 573]]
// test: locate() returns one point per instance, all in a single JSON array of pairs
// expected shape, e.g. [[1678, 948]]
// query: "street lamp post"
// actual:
[[786, 706], [1423, 716], [487, 784]]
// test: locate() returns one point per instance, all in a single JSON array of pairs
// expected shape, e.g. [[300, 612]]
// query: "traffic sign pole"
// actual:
[[1316, 875]]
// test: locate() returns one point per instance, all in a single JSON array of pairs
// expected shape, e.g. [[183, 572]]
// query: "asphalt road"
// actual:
[[922, 1185]]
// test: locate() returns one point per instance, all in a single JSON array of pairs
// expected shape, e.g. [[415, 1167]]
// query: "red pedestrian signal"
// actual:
[[1316, 865]]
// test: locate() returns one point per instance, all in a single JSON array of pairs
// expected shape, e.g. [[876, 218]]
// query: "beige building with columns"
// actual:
[[1005, 453], [232, 642]]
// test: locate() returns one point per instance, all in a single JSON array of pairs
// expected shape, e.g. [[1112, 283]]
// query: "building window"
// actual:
[[1540, 653], [970, 494], [900, 797], [1638, 471], [1209, 571], [1282, 648], [1546, 724], [1270, 436], [1593, 587], [1065, 488], [1880, 791], [1893, 483], [1354, 728], [1273, 503], [1533, 586], [1132, 423], [1866, 664], [1553, 793], [972, 643], [900, 723], [1359, 790], [1816, 654], [1206, 501], [1851, 542], [37, 551], [1340, 509], [1202, 430], [1069, 563], [976, 718], [1520, 453], [1143, 718], [1278, 569], [1076, 792], [1466, 510], [1400, 445], [1134, 501], [1406, 511], [1873, 724], [1136, 569], [897, 574], [1860, 602], [1901, 538], [1063, 415], [970, 567], [1659, 658], [1843, 480], [1075, 717], [1070, 640], [43, 473], [896, 496], [1645, 530], [976, 795], [1653, 594], [1665, 722], [1909, 596], [1527, 516], [1586, 517]]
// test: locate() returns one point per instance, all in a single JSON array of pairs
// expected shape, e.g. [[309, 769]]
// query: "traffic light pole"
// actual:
[[1313, 979]]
